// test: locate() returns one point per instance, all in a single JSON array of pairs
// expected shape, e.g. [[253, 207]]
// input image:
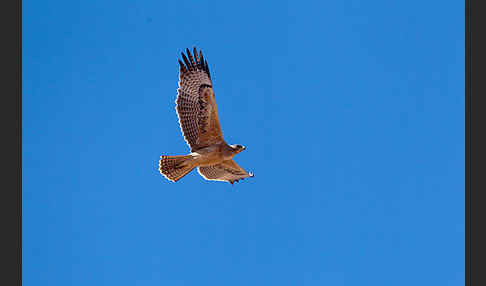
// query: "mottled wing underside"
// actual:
[[227, 171], [195, 103]]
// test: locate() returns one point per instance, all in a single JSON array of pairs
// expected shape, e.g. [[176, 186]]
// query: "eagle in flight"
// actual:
[[198, 118]]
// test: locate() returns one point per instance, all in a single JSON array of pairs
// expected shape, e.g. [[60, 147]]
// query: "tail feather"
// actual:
[[175, 167]]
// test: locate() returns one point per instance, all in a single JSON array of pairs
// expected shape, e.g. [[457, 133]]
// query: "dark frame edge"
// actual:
[[468, 142], [11, 167], [19, 128]]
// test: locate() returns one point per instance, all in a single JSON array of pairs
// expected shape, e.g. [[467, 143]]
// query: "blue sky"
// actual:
[[352, 113]]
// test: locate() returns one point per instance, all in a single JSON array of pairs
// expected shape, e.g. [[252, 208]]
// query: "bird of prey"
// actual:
[[198, 119]]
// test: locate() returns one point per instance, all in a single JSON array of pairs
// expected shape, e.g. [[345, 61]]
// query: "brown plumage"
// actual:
[[198, 118]]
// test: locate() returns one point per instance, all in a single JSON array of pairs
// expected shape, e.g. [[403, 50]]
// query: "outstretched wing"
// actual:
[[227, 171], [195, 103]]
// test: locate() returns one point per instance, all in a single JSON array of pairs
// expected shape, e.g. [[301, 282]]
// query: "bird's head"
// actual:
[[238, 148]]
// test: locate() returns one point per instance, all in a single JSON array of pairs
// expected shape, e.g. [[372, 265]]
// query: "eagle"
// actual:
[[198, 119]]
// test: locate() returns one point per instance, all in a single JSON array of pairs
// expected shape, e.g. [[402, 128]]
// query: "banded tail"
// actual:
[[175, 167]]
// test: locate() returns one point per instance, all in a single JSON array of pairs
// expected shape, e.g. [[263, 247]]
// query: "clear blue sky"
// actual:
[[352, 113]]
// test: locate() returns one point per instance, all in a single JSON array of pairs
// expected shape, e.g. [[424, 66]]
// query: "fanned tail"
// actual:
[[175, 167]]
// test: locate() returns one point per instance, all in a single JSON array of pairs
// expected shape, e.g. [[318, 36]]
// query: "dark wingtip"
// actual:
[[188, 65], [195, 56], [193, 64], [182, 66]]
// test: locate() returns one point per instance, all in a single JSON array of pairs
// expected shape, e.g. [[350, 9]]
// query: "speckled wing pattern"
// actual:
[[227, 171], [195, 104]]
